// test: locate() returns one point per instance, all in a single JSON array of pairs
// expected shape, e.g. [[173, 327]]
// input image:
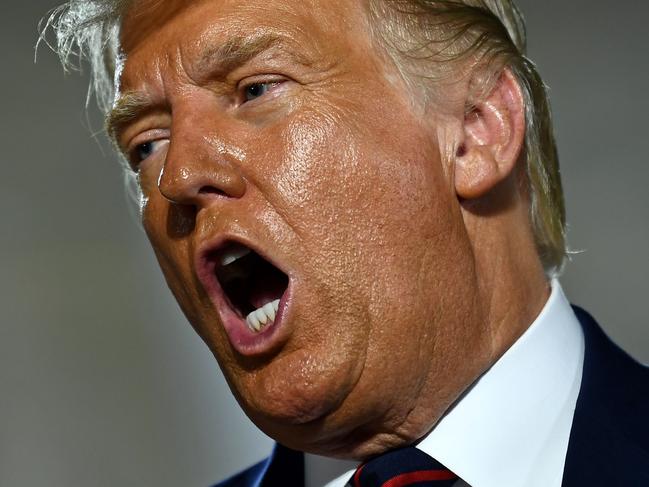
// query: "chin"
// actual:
[[353, 441], [332, 420], [298, 389]]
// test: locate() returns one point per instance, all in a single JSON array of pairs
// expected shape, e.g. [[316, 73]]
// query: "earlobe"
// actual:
[[494, 132]]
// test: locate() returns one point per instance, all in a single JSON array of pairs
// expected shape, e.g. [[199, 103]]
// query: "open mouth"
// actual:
[[253, 287]]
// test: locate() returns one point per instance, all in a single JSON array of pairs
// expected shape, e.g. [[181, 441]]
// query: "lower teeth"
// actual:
[[263, 316]]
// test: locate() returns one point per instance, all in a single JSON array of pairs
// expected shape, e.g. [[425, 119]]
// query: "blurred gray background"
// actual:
[[102, 381]]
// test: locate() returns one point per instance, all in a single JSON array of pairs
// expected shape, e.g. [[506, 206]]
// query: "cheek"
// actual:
[[364, 201], [379, 229], [173, 254], [168, 227], [155, 213], [314, 168]]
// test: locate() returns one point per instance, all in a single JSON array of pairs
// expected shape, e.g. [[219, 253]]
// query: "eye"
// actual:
[[143, 151], [256, 90]]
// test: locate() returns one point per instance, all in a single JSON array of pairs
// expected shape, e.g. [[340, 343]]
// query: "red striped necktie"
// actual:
[[403, 467]]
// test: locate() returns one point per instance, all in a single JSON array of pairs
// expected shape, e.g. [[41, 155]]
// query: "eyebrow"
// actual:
[[128, 107], [217, 60]]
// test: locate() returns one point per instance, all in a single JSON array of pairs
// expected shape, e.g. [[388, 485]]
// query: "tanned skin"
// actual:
[[402, 224]]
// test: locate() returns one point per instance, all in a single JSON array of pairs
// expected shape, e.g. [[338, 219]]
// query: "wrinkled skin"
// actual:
[[341, 176]]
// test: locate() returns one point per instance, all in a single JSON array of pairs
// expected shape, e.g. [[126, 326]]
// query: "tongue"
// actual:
[[266, 288]]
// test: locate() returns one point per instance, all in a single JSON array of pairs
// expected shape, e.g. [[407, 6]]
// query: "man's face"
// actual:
[[278, 127]]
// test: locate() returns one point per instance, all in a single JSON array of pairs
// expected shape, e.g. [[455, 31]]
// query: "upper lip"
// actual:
[[207, 259]]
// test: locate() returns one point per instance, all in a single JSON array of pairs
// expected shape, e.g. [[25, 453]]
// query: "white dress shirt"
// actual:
[[512, 427]]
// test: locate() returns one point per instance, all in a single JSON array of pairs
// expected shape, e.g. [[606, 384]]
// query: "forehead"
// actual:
[[170, 47], [200, 22]]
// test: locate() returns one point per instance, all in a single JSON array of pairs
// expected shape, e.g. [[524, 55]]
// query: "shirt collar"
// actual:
[[512, 427]]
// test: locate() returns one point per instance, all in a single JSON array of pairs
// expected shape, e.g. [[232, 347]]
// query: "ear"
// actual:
[[494, 132]]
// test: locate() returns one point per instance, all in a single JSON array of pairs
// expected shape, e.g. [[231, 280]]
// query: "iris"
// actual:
[[258, 89]]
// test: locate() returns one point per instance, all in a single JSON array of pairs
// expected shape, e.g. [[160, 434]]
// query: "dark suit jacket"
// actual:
[[609, 440]]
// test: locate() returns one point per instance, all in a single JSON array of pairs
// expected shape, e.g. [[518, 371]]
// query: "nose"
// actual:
[[197, 175]]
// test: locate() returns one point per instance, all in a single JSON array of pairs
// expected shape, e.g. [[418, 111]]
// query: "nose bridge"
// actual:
[[200, 165]]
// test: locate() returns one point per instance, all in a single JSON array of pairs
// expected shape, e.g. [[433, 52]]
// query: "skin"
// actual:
[[402, 225]]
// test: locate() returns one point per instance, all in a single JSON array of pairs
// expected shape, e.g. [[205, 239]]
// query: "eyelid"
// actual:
[[271, 79], [149, 136], [146, 136]]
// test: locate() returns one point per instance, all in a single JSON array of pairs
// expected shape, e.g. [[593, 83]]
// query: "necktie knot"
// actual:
[[403, 467]]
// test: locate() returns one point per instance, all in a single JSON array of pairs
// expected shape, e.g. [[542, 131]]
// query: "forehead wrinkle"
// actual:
[[238, 49]]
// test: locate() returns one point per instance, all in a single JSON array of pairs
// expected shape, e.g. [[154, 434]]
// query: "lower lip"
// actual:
[[244, 340]]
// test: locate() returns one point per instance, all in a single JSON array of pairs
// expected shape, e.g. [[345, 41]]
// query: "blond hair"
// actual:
[[423, 37]]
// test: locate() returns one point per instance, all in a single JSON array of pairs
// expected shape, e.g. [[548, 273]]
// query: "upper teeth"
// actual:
[[260, 317], [233, 253]]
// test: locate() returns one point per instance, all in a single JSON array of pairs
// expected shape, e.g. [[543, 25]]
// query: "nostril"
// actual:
[[211, 190]]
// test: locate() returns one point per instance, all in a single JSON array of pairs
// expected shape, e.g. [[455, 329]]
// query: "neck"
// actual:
[[512, 285]]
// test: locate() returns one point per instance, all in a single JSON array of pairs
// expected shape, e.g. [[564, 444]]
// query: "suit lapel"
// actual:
[[610, 431], [285, 467]]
